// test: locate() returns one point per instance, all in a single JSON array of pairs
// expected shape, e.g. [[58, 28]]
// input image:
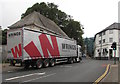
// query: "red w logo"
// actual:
[[32, 50], [17, 51], [46, 46]]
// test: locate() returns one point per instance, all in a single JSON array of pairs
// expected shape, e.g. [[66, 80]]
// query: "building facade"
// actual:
[[103, 41]]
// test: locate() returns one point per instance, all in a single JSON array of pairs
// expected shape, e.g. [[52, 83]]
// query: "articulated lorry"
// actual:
[[37, 49]]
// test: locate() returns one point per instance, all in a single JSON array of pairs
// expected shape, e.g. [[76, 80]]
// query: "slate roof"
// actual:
[[40, 21], [112, 26]]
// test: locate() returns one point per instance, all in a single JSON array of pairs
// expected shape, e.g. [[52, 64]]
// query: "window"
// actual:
[[100, 34], [110, 39], [105, 51], [100, 42], [110, 31], [104, 33], [103, 40]]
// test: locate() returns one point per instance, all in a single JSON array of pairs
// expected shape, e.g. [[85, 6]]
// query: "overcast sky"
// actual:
[[94, 15]]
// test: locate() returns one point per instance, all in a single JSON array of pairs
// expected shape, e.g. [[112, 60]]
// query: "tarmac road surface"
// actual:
[[86, 71]]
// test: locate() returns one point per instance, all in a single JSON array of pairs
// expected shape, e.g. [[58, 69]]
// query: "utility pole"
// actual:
[[114, 56]]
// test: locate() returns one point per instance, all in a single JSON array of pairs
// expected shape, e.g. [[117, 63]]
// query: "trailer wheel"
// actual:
[[32, 64], [70, 60], [27, 65], [52, 62], [46, 63], [39, 63], [21, 64]]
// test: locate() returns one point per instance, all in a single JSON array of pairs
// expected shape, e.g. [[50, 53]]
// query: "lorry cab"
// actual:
[[79, 54]]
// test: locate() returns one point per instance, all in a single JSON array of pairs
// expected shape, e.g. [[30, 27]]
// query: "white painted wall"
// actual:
[[107, 44]]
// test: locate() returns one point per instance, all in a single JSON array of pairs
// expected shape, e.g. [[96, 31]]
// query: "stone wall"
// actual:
[[3, 54]]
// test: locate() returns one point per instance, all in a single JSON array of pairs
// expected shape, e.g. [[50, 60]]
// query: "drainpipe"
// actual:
[[101, 46]]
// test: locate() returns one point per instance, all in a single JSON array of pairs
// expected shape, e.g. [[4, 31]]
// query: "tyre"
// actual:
[[39, 63], [70, 60], [78, 60], [74, 60], [46, 63], [52, 62], [27, 65], [21, 64], [32, 64], [12, 63]]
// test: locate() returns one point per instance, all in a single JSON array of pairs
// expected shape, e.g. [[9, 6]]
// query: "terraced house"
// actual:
[[103, 41]]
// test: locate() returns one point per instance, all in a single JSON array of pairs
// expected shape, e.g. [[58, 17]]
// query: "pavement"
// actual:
[[113, 74], [6, 67]]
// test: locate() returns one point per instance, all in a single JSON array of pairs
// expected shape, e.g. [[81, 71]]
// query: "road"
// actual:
[[86, 71]]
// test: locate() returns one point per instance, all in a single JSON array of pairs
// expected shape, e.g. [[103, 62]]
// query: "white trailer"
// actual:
[[35, 48]]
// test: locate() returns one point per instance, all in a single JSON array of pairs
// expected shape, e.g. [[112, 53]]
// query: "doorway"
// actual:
[[110, 53]]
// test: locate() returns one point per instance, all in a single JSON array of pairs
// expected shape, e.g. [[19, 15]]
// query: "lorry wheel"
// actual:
[[27, 66], [70, 60], [46, 63], [78, 60], [32, 65], [74, 60], [39, 63], [21, 64], [12, 63], [52, 62]]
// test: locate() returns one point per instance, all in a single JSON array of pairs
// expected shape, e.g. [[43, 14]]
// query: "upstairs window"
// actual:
[[110, 40], [110, 31]]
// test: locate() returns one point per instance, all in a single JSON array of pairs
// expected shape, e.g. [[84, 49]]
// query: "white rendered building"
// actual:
[[103, 41]]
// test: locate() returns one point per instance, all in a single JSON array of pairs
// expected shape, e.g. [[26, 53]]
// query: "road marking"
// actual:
[[65, 66], [104, 65], [101, 77], [10, 71], [40, 77], [24, 76]]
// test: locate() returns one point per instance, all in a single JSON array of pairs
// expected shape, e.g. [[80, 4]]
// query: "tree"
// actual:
[[65, 22], [89, 42]]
